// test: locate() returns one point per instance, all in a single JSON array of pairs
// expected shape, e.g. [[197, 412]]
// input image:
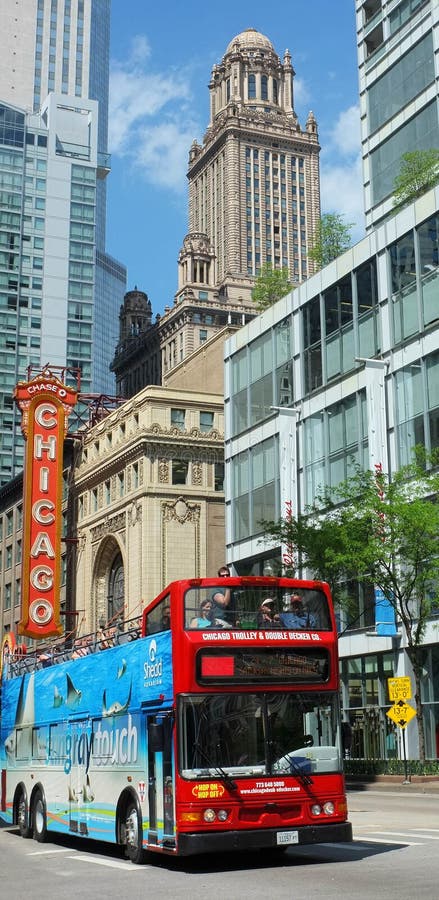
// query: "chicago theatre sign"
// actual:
[[45, 403]]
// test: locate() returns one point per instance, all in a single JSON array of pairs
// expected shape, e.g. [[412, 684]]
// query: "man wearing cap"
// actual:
[[266, 618], [297, 616]]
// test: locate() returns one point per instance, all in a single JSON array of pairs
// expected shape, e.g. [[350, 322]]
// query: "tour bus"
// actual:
[[213, 726]]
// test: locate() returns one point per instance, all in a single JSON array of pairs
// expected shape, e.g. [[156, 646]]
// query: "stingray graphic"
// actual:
[[122, 669], [58, 698], [116, 708], [19, 741], [73, 694]]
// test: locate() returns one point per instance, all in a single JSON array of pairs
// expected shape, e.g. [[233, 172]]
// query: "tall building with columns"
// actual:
[[254, 198], [254, 187]]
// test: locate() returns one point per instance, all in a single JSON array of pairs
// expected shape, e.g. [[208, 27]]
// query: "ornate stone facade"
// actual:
[[148, 486]]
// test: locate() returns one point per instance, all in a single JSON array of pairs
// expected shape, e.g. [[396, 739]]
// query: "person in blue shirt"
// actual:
[[204, 620], [223, 610], [297, 616]]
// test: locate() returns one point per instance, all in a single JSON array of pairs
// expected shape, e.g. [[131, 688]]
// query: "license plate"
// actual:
[[287, 837]]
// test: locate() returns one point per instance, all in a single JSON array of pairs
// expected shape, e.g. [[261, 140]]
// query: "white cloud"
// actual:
[[149, 117], [301, 93], [341, 190], [341, 180], [346, 135], [162, 153]]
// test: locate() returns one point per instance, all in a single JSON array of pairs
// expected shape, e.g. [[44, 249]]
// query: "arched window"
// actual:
[[116, 590], [251, 87], [264, 88], [275, 95]]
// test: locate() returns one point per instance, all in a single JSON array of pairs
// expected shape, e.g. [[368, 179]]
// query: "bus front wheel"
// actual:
[[39, 818], [134, 835]]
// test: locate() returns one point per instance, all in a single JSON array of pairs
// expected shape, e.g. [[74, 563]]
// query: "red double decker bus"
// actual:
[[217, 728]]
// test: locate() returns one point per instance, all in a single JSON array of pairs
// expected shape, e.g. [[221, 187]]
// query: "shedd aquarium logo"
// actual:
[[152, 667]]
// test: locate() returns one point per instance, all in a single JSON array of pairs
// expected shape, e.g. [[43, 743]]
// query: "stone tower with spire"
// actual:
[[254, 184], [254, 198]]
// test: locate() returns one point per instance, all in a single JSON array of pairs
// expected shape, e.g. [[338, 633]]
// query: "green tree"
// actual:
[[418, 173], [271, 285], [331, 238], [381, 532]]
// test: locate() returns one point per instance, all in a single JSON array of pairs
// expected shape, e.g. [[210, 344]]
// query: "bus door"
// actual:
[[161, 780], [80, 790]]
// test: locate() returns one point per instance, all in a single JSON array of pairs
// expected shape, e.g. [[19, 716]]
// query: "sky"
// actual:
[[161, 59]]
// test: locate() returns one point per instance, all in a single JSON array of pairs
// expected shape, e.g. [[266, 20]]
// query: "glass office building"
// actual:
[[398, 45], [60, 293], [344, 371]]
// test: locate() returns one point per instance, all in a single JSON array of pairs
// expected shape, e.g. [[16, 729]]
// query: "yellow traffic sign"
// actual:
[[400, 688], [401, 713]]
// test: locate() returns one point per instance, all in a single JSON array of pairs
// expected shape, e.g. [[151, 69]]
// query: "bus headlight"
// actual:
[[222, 815], [209, 815], [316, 809], [328, 808]]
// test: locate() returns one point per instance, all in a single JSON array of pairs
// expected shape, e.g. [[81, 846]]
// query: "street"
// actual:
[[394, 853]]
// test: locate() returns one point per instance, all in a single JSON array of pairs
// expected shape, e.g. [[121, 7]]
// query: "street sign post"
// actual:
[[399, 688], [401, 713]]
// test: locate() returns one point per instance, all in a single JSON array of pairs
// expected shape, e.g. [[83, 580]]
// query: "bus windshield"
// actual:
[[251, 607], [252, 734]]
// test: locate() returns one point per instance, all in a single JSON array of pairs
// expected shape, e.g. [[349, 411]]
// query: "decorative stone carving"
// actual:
[[108, 525], [197, 473], [163, 471]]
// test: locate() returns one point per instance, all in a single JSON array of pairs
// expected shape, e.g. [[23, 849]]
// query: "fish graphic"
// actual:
[[87, 793], [19, 742], [116, 708], [122, 668], [72, 794], [58, 698], [73, 694]]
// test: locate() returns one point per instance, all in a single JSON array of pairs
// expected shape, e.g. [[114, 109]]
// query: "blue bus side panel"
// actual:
[[82, 720]]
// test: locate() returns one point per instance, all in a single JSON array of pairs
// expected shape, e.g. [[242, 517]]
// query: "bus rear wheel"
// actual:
[[134, 835], [39, 818], [22, 819]]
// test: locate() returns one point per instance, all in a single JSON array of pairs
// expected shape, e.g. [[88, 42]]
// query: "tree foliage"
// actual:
[[331, 238], [382, 532], [418, 173], [271, 285]]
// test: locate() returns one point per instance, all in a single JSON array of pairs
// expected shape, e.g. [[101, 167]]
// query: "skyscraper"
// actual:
[[254, 198], [60, 292], [254, 186], [398, 63]]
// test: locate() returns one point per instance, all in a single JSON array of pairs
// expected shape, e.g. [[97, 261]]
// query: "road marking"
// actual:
[[374, 840], [430, 830], [112, 864], [45, 852], [432, 837]]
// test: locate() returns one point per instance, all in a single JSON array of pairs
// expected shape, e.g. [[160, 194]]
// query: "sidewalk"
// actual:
[[416, 784]]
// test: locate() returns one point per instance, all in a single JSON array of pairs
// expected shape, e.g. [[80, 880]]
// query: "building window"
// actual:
[[116, 591], [219, 476], [203, 335], [252, 87], [206, 421], [180, 469], [178, 418]]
